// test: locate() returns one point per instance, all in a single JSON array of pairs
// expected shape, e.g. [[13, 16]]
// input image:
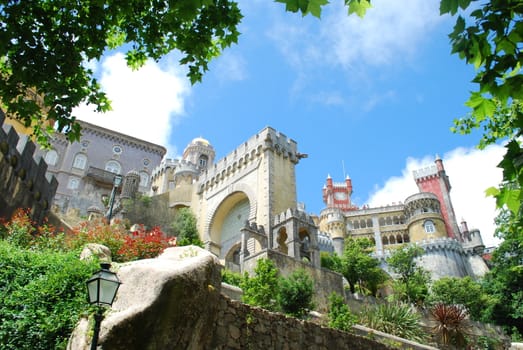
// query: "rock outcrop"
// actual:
[[169, 302]]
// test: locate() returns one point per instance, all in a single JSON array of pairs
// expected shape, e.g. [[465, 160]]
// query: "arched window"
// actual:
[[406, 238], [202, 162], [73, 183], [113, 166], [80, 161], [429, 226], [51, 157], [385, 240], [144, 179]]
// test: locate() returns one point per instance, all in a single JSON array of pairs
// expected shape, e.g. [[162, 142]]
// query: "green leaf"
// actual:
[[315, 7], [448, 6], [483, 107], [358, 7], [492, 192]]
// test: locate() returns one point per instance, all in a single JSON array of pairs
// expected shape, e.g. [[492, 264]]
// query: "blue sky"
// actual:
[[372, 98]]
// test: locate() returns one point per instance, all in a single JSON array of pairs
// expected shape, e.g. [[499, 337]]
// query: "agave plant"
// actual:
[[394, 318], [450, 324]]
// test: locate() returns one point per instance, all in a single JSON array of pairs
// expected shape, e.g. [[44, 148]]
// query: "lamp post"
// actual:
[[101, 288], [117, 181]]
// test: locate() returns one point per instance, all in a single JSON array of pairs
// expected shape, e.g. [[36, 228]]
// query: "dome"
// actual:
[[200, 141]]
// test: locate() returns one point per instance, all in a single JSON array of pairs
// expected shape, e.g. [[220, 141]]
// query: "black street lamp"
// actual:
[[101, 288], [117, 181]]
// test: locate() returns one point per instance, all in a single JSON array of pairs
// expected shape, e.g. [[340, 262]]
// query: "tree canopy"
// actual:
[[45, 45]]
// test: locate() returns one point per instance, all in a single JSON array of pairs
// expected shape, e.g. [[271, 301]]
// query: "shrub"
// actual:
[[142, 244], [394, 318], [42, 295], [19, 230], [451, 324], [295, 293], [232, 278], [111, 236], [340, 316], [262, 289]]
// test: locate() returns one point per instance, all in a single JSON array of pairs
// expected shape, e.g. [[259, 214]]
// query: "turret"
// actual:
[[433, 179], [199, 152]]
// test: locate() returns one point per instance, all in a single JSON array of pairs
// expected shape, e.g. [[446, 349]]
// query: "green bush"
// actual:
[[295, 293], [394, 318], [42, 295], [262, 289], [232, 278], [340, 316]]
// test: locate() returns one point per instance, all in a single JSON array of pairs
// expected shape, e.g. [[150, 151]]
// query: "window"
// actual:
[[113, 167], [51, 157], [80, 161], [73, 183], [117, 149], [429, 226], [202, 162], [144, 179]]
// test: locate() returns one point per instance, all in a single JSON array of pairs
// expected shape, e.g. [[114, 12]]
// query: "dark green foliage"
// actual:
[[394, 318], [331, 261], [295, 293], [503, 282], [184, 227], [412, 285], [460, 291], [42, 295], [262, 289], [340, 316], [359, 267], [44, 45], [232, 278]]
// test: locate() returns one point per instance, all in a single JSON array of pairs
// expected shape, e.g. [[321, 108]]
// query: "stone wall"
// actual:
[[23, 180], [325, 281], [240, 326]]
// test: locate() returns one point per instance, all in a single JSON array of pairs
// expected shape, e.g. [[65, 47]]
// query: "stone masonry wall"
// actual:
[[23, 181], [240, 326]]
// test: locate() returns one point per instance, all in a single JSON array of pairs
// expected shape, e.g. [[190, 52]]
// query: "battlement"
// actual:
[[424, 173], [293, 213], [167, 163], [245, 154], [23, 179]]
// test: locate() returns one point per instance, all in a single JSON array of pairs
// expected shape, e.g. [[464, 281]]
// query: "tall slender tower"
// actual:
[[433, 179]]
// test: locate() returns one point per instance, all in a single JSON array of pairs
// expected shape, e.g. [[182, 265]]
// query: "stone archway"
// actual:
[[227, 221]]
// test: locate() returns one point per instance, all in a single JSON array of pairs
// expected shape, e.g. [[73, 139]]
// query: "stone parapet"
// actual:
[[23, 179]]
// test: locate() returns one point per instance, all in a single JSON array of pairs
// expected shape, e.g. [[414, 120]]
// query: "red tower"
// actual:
[[337, 195], [433, 179]]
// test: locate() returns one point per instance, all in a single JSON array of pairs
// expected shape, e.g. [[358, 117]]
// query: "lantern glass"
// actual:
[[102, 286], [117, 180]]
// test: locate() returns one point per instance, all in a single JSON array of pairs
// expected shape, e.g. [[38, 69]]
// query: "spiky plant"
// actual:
[[394, 318], [450, 324]]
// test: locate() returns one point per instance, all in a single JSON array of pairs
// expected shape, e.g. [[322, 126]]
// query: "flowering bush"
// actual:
[[111, 236], [18, 231], [142, 244]]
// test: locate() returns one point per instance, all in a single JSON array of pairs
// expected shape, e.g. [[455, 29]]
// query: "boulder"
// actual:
[[169, 302], [98, 250]]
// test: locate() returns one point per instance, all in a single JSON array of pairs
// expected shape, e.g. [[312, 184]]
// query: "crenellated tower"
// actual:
[[433, 179], [338, 195]]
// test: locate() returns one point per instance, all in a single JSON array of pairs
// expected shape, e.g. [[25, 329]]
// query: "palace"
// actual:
[[426, 218], [246, 204]]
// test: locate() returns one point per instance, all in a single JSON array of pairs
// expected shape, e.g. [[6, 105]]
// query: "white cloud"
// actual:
[[231, 67], [389, 33], [145, 103], [470, 171]]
